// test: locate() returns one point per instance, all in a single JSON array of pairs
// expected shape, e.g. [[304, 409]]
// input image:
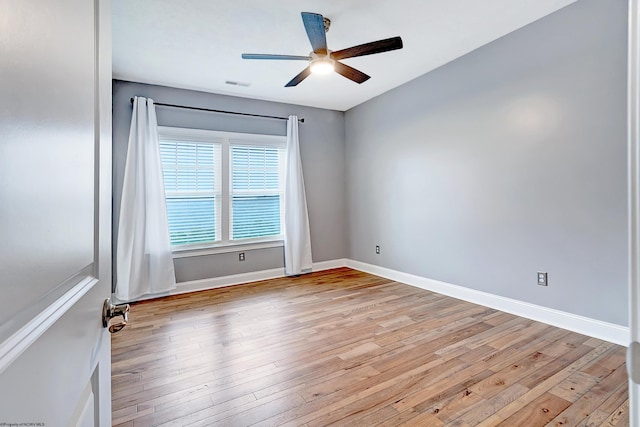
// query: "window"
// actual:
[[222, 188], [256, 190], [192, 189]]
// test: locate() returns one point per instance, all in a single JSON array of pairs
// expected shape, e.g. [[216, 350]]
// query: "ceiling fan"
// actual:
[[321, 59]]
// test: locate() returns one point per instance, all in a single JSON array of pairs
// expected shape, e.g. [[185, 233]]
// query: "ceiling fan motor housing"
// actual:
[[327, 24], [315, 56]]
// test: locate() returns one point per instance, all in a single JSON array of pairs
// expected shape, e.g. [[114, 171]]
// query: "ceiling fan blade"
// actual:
[[351, 73], [314, 25], [300, 77], [368, 48], [268, 56]]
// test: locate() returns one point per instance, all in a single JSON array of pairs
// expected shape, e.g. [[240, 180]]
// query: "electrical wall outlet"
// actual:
[[543, 278], [377, 249], [241, 256]]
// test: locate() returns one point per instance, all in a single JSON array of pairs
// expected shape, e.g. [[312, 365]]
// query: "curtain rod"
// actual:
[[162, 104]]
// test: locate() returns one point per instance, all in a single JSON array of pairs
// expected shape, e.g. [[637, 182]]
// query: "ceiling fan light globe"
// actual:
[[322, 66]]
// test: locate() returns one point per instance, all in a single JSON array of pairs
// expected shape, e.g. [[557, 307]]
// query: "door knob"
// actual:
[[110, 311]]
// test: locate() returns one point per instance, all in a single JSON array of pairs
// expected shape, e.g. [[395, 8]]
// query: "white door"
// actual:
[[55, 211]]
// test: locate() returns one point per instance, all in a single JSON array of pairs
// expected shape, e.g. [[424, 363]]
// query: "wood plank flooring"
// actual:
[[342, 347]]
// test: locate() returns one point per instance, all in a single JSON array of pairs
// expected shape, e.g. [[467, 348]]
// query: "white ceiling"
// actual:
[[196, 44]]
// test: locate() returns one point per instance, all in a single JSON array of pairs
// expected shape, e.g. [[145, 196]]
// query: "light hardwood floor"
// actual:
[[341, 347]]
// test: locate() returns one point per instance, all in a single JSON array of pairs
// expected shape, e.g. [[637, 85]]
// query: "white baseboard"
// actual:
[[255, 276], [594, 328], [235, 279], [328, 265], [220, 282]]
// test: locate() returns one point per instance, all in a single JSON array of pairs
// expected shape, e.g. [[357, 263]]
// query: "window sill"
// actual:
[[224, 248]]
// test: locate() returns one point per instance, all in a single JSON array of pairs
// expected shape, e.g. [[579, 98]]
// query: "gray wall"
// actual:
[[322, 153], [507, 161]]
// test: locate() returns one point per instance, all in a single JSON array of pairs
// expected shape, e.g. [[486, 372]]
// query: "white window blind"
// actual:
[[193, 190], [256, 191]]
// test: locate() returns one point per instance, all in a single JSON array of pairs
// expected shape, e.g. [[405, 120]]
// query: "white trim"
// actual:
[[238, 279], [633, 184], [234, 279], [221, 282], [328, 265], [591, 327], [216, 136], [17, 343], [226, 248], [594, 328]]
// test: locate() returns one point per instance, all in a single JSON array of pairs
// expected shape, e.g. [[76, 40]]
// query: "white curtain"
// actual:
[[144, 262], [297, 238]]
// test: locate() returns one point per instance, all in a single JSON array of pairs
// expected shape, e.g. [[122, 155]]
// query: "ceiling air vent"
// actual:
[[232, 83]]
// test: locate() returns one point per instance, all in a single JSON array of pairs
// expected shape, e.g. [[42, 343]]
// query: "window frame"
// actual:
[[226, 140]]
